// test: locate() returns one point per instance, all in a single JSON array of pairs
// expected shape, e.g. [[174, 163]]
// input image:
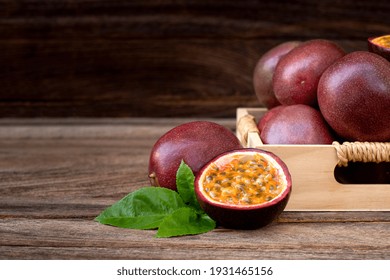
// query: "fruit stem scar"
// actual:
[[153, 179]]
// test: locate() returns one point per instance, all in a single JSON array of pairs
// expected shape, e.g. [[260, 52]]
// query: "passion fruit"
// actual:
[[244, 188], [297, 74], [354, 97], [264, 72], [269, 115], [195, 142], [380, 45], [295, 124]]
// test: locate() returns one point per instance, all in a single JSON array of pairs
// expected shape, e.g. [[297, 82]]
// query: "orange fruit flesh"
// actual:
[[383, 41], [243, 182]]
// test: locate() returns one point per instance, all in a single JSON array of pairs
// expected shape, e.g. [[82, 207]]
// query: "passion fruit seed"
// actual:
[[243, 182]]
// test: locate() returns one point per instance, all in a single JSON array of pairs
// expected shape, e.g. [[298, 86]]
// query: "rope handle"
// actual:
[[245, 125], [346, 151], [362, 152]]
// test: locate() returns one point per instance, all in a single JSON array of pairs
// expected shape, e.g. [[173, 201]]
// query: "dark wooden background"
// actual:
[[139, 58]]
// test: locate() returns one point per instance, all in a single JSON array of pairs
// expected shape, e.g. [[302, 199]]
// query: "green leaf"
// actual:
[[173, 213], [145, 208], [185, 185], [185, 221]]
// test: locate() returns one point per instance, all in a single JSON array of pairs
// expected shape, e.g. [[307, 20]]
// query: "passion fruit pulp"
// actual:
[[244, 188], [380, 45]]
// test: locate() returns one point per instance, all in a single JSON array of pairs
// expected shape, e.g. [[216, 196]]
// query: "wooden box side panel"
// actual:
[[314, 185]]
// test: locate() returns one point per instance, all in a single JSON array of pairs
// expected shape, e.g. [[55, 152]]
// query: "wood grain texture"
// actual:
[[189, 19], [57, 175], [157, 58], [81, 239]]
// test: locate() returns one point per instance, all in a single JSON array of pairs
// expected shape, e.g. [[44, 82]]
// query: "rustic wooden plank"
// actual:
[[131, 78], [96, 128], [189, 19], [79, 239], [52, 208], [72, 170], [157, 58], [134, 78]]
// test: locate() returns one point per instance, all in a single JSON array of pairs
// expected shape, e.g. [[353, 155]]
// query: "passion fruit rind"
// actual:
[[249, 173], [380, 45]]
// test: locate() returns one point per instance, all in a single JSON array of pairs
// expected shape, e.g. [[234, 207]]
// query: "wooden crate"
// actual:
[[312, 169]]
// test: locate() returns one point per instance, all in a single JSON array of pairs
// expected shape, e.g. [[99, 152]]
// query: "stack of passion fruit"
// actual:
[[317, 93]]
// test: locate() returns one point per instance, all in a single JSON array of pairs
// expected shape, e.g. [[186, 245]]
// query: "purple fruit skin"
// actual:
[[354, 97], [194, 142], [268, 115], [297, 74], [264, 71], [297, 124], [250, 217], [380, 50]]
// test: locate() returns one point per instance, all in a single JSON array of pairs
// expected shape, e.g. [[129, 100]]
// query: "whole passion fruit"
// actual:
[[244, 188], [194, 142], [264, 72], [354, 97], [295, 124], [297, 74]]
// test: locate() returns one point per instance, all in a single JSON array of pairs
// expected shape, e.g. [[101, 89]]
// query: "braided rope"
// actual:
[[362, 152]]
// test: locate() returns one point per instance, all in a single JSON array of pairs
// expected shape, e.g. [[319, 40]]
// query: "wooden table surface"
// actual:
[[56, 176]]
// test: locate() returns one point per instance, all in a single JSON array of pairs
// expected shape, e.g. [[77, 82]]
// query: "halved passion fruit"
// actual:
[[244, 188], [380, 45]]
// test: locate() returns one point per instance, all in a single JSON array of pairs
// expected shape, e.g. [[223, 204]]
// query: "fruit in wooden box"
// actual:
[[269, 115], [354, 97], [297, 74], [246, 188], [294, 124], [264, 72]]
